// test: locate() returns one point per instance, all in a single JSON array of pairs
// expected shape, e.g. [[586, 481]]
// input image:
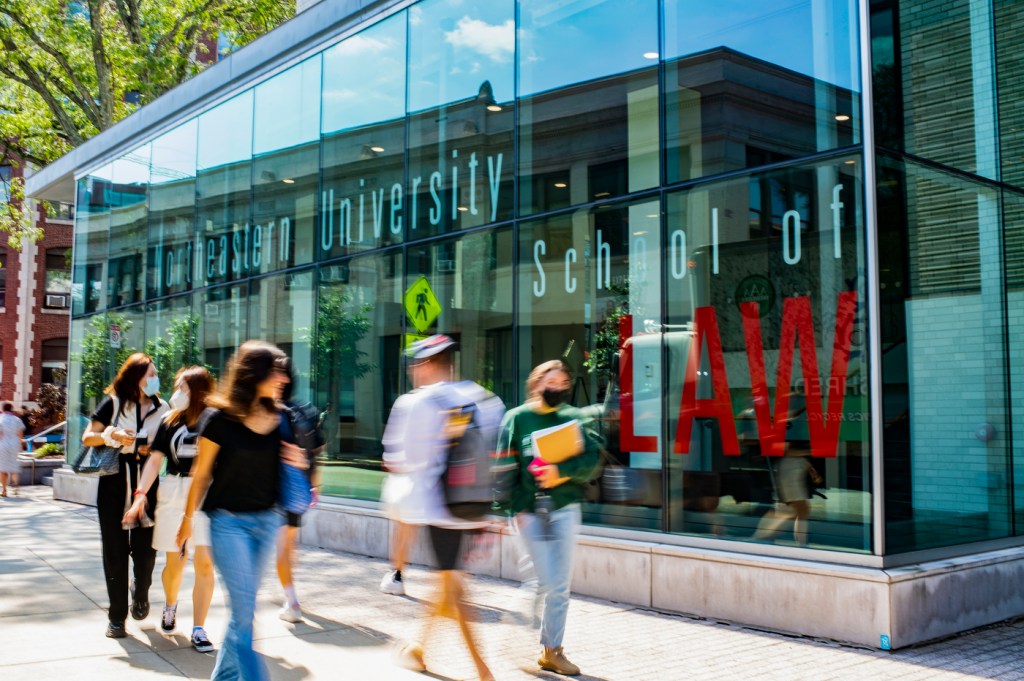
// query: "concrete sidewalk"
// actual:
[[53, 600]]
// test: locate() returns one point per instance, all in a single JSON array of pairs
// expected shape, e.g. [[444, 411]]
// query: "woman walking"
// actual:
[[175, 443], [545, 497], [11, 431], [128, 417], [238, 469]]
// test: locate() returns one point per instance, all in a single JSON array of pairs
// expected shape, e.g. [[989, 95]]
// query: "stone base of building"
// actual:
[[880, 608], [78, 489]]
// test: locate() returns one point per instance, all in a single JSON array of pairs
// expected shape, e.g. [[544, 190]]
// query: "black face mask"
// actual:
[[555, 398]]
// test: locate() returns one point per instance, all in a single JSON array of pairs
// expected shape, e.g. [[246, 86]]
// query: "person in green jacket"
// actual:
[[545, 497]]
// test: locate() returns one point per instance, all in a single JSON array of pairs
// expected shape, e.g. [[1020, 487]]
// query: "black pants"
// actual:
[[118, 544]]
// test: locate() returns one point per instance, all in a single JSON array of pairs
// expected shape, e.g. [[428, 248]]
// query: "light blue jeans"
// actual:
[[552, 562], [242, 544]]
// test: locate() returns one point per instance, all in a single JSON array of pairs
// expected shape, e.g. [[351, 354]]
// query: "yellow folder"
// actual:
[[558, 443]]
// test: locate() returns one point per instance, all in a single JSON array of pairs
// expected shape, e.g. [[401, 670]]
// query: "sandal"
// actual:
[[410, 656]]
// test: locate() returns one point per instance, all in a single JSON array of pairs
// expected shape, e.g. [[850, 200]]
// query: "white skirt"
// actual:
[[170, 509]]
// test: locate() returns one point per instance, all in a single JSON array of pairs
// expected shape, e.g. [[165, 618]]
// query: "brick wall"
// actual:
[[46, 324], [9, 318]]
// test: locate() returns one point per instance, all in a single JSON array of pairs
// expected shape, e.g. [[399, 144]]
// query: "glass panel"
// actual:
[[1009, 45], [79, 403], [224, 311], [286, 167], [461, 71], [753, 83], [588, 130], [362, 202], [172, 338], [126, 273], [172, 212], [588, 281], [358, 357], [99, 345], [471, 280], [947, 81], [92, 241], [944, 400], [281, 312], [765, 357], [1013, 220], [228, 244]]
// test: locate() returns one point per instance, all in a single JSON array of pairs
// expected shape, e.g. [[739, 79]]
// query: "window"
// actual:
[[58, 279], [55, 361], [3, 278], [5, 180]]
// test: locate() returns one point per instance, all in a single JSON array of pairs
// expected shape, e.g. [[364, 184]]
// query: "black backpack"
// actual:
[[470, 433]]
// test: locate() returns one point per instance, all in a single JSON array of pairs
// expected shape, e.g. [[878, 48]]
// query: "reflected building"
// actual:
[[749, 231]]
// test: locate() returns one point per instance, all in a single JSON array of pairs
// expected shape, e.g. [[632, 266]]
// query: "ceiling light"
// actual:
[[561, 185], [850, 162], [602, 194], [650, 55], [462, 209], [493, 107], [377, 149], [288, 180], [640, 233], [842, 118]]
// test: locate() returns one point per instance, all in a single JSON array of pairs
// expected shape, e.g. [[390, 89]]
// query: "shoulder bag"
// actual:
[[99, 459]]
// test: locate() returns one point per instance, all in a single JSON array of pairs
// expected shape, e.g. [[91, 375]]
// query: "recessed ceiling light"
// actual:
[[650, 55], [561, 185], [376, 149], [641, 233], [493, 107], [602, 194], [288, 180], [842, 118], [653, 215], [850, 162], [462, 209]]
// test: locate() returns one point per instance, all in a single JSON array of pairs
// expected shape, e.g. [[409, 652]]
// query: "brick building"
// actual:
[[35, 298]]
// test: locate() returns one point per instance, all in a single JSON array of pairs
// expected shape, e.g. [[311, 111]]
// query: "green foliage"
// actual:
[[606, 338], [181, 347], [99, 361], [49, 449], [340, 326], [52, 400], [73, 69]]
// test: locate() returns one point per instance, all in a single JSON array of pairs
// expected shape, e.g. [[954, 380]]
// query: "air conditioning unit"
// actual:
[[445, 265], [334, 274], [53, 300]]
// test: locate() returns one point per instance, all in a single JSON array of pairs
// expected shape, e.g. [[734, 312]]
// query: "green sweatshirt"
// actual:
[[517, 486]]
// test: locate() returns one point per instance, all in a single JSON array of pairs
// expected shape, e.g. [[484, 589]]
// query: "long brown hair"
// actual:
[[125, 386], [542, 370], [200, 383], [254, 362]]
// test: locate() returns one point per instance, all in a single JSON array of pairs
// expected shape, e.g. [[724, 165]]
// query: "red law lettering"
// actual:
[[720, 406], [628, 440], [798, 326]]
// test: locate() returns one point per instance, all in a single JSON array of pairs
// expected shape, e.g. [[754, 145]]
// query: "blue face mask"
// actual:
[[152, 386]]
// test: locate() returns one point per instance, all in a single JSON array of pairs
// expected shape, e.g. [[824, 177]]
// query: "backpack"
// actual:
[[470, 436]]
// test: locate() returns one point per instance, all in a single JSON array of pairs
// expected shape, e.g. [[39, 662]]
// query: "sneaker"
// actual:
[[554, 660], [290, 613], [200, 641], [410, 656], [140, 608], [169, 617], [392, 583], [116, 630]]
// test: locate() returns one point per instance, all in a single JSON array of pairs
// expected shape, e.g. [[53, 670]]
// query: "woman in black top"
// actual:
[[176, 443], [127, 418], [237, 469]]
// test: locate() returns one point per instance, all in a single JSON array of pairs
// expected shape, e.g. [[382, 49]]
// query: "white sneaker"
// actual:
[[392, 583], [290, 613]]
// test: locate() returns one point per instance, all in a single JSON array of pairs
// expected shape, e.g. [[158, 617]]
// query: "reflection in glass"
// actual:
[[461, 68], [766, 366], [228, 244], [1013, 221], [358, 367], [224, 327], [944, 394], [471, 278], [172, 212], [285, 168], [127, 198], [281, 312], [1008, 23], [92, 241], [751, 84], [588, 282], [172, 338], [362, 201]]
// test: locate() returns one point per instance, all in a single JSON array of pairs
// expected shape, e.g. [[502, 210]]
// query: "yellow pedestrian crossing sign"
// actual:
[[421, 305]]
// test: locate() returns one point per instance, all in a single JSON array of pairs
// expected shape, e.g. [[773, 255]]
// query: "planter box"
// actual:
[[34, 470]]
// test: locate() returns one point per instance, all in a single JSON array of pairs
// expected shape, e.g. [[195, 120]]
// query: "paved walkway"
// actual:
[[52, 617]]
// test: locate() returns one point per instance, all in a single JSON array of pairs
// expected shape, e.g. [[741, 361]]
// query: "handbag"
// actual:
[[295, 495], [97, 460]]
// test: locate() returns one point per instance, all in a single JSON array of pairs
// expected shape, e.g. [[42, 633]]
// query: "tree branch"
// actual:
[[103, 66], [129, 12], [161, 43], [34, 81]]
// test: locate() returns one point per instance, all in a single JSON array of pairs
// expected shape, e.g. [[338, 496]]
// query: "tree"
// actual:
[[73, 68], [180, 347], [97, 353]]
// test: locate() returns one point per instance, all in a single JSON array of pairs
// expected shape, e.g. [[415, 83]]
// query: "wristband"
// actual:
[[138, 492]]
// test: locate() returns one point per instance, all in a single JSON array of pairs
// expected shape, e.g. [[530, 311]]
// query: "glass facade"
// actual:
[[680, 211]]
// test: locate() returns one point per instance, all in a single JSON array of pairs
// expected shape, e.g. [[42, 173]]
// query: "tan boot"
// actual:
[[554, 660]]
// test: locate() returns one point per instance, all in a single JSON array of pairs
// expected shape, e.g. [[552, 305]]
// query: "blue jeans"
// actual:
[[241, 544], [552, 562]]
